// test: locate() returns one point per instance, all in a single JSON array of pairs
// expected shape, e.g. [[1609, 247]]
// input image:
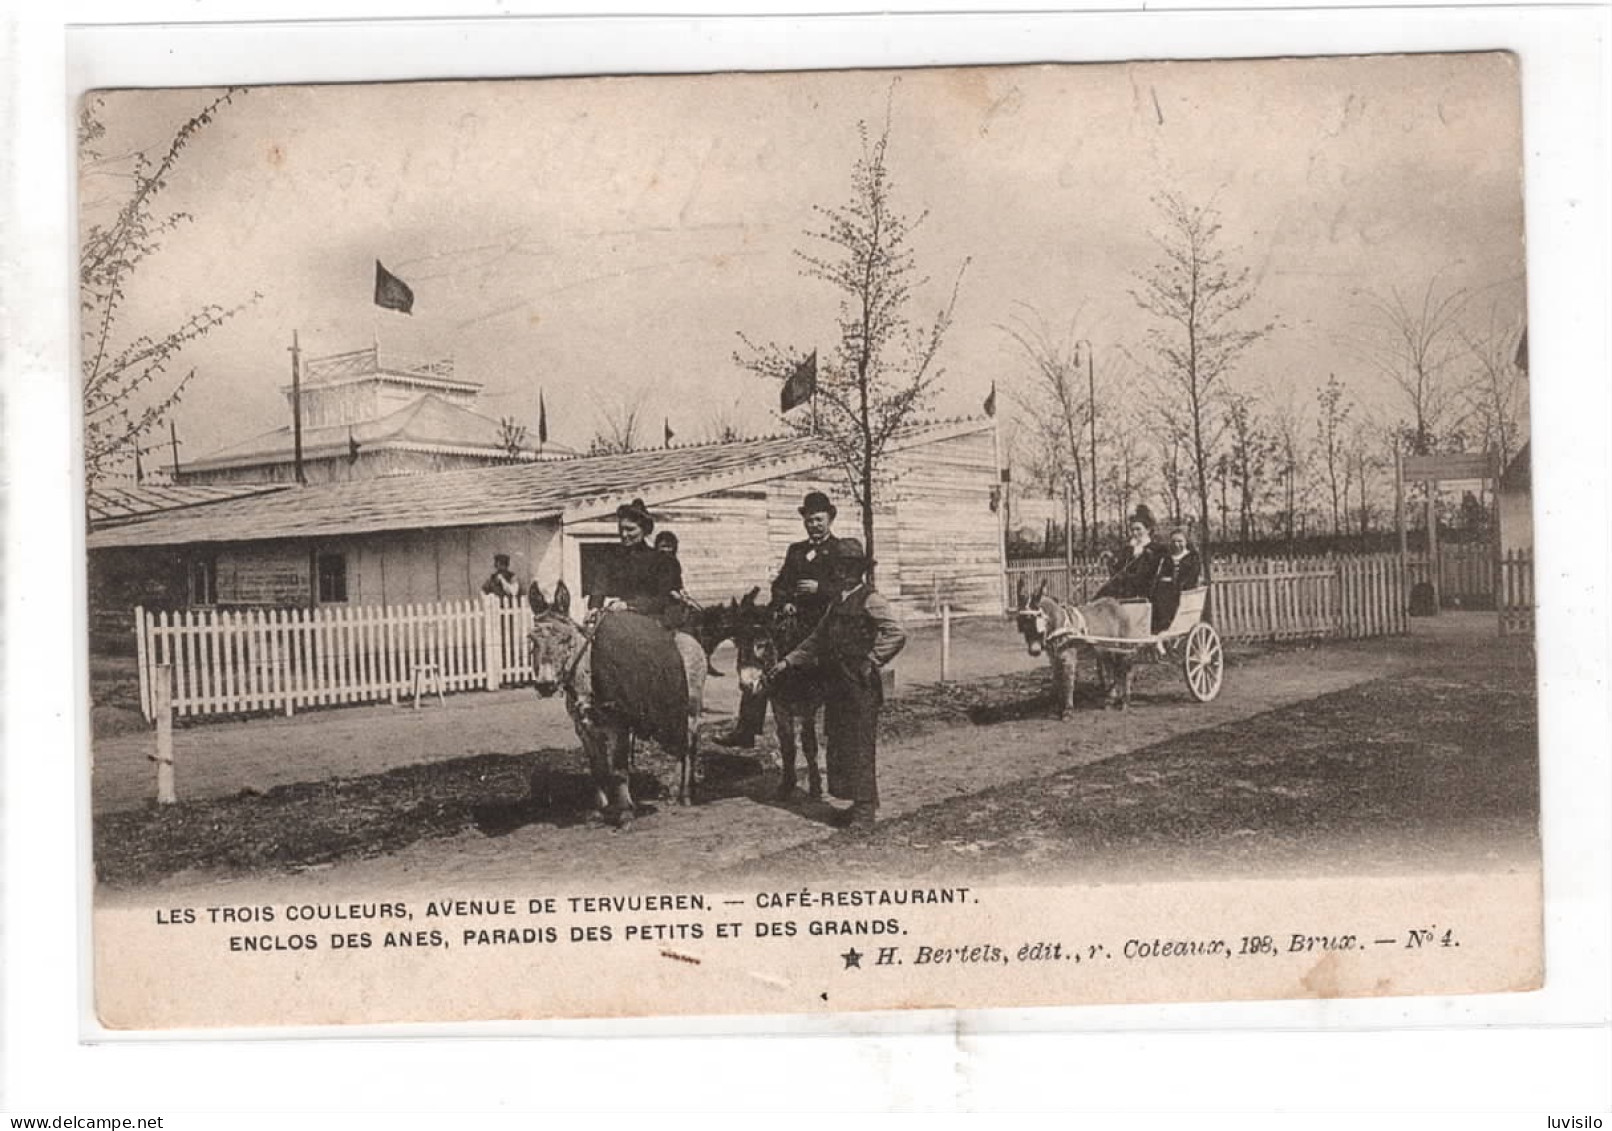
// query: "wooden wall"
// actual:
[[950, 545], [399, 568], [1516, 521], [264, 575], [935, 532]]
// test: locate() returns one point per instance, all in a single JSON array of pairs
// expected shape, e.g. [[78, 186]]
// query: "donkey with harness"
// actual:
[[797, 697], [1118, 633]]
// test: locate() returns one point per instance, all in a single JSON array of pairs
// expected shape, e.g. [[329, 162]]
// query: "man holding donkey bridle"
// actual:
[[804, 587], [857, 635]]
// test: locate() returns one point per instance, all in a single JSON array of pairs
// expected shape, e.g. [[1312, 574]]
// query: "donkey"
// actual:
[[559, 652], [1050, 626], [711, 625], [796, 696]]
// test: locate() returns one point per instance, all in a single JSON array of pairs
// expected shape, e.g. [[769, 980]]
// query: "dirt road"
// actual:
[[998, 739], [216, 759]]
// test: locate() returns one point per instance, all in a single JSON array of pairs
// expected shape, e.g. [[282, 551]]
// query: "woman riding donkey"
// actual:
[[629, 673]]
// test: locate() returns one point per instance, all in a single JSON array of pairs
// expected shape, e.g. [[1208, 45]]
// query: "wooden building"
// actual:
[[1515, 494], [366, 414], [734, 506]]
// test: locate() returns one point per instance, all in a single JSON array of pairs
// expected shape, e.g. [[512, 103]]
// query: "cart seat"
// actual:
[[1189, 612]]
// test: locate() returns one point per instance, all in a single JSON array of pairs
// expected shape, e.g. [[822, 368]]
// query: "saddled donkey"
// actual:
[[796, 696], [561, 662], [1049, 625]]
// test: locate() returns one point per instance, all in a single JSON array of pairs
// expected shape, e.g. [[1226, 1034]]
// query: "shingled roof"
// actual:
[[578, 488], [112, 503]]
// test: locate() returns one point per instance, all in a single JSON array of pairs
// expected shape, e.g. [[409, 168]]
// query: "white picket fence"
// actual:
[[1514, 599], [1284, 599], [227, 662], [1350, 596]]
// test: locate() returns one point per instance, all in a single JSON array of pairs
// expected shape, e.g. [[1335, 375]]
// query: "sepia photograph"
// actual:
[[787, 543]]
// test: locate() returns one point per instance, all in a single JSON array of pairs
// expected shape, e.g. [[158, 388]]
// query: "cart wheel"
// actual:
[[1203, 662]]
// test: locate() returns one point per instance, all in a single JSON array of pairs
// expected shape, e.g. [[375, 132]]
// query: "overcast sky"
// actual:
[[597, 238]]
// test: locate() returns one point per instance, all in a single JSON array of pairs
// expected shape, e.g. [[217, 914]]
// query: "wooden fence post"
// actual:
[[945, 643], [492, 648], [162, 704], [141, 660]]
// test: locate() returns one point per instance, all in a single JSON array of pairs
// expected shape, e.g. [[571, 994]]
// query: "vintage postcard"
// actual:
[[809, 542]]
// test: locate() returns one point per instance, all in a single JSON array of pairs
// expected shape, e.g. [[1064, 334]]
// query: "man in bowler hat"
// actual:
[[856, 637], [805, 587]]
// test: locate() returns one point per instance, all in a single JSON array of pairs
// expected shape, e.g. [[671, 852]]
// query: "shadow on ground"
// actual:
[[316, 824]]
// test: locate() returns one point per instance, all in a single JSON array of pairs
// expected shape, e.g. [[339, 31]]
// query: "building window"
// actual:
[[204, 581], [332, 578]]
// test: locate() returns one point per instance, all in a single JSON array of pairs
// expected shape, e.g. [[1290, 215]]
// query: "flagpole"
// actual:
[[296, 409], [814, 394]]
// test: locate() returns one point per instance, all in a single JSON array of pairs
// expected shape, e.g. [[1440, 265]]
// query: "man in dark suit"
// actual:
[[855, 638], [806, 586]]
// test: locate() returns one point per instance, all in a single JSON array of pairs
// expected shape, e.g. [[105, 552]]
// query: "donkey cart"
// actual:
[[1106, 626], [1189, 640]]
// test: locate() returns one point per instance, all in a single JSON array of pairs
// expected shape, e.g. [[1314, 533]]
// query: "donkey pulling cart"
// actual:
[[1109, 627]]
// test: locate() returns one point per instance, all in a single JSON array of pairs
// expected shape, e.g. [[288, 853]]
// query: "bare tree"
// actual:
[[1057, 398], [1290, 456], [1223, 475], [1248, 458], [617, 425], [722, 425], [1364, 465], [1126, 469], [1331, 442], [127, 390], [880, 373], [1496, 392], [512, 438], [1197, 298], [1415, 344]]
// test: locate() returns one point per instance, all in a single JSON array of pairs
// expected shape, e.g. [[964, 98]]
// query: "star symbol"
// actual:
[[853, 957]]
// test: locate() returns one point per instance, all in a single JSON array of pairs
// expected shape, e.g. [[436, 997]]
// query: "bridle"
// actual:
[[567, 680], [1074, 625]]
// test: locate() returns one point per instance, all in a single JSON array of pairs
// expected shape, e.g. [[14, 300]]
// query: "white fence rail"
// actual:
[[227, 662], [1271, 598]]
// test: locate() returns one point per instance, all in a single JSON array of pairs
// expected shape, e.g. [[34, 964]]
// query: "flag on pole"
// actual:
[[352, 446], [990, 401], [392, 293], [800, 386], [669, 432], [542, 420]]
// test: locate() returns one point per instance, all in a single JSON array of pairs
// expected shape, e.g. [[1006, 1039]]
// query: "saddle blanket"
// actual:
[[639, 675]]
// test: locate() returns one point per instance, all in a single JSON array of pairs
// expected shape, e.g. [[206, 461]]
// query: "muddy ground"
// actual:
[[1394, 755]]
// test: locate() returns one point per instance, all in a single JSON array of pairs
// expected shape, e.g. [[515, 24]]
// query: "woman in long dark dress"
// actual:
[[1137, 569], [637, 577]]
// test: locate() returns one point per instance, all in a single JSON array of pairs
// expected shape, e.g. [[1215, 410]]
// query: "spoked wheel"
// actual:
[[1203, 662]]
